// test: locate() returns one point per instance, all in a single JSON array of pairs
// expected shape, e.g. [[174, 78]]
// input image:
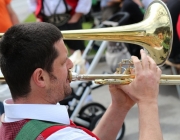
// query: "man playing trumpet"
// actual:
[[35, 65]]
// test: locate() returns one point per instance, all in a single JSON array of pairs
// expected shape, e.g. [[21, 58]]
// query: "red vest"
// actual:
[[72, 3], [178, 27], [9, 131]]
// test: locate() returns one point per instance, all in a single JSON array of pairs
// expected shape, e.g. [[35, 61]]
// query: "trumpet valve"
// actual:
[[128, 71]]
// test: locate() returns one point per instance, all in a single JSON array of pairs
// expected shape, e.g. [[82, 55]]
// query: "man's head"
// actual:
[[160, 32], [160, 36], [28, 53]]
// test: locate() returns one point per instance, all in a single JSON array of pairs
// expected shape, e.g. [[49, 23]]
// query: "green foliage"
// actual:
[[87, 25], [30, 18]]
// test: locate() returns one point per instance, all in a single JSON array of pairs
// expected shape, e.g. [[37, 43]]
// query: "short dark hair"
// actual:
[[159, 30], [24, 48]]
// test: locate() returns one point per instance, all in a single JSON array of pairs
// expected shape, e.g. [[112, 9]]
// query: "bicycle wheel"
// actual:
[[91, 110]]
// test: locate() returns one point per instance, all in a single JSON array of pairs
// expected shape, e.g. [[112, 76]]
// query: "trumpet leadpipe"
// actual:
[[75, 76], [107, 79], [90, 77]]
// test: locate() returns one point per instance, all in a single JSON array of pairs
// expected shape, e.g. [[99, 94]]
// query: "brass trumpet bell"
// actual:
[[154, 33]]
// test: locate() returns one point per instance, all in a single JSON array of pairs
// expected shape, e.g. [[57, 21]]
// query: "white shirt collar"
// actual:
[[54, 113]]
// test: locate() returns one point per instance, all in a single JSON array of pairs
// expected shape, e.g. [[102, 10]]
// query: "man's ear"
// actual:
[[39, 77]]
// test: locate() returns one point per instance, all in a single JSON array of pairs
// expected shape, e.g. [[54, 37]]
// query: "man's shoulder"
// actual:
[[66, 131], [69, 133]]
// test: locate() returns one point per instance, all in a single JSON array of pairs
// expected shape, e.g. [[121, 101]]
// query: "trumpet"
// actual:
[[120, 78], [154, 34]]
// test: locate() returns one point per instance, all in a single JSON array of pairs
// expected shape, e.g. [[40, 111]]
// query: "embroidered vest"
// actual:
[[25, 128], [72, 3]]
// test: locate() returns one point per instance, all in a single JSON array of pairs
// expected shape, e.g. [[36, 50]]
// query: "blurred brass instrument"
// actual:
[[154, 33]]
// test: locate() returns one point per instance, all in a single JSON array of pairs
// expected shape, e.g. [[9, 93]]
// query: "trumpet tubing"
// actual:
[[123, 79], [108, 79], [154, 33]]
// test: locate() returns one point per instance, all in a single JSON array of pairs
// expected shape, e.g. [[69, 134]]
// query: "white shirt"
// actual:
[[83, 6], [46, 112]]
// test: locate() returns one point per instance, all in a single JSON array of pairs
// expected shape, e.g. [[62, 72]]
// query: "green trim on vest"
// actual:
[[32, 129]]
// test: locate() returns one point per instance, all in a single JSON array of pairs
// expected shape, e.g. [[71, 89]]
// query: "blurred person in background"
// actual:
[[134, 8], [109, 7], [7, 15], [117, 51], [71, 13], [174, 9]]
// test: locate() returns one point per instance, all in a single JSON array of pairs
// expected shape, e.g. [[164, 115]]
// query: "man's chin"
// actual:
[[68, 92]]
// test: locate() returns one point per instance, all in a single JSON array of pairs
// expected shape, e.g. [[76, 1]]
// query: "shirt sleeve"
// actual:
[[70, 133], [32, 4], [7, 2], [83, 6]]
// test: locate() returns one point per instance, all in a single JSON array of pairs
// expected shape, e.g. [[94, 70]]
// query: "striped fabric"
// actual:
[[8, 131]]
